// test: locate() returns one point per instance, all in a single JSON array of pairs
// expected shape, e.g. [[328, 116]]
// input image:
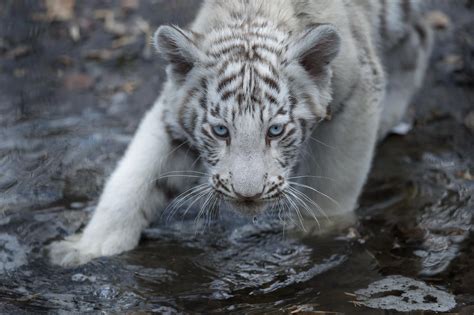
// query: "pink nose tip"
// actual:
[[248, 198]]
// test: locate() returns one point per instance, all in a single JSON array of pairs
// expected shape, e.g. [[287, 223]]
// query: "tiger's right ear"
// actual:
[[177, 47]]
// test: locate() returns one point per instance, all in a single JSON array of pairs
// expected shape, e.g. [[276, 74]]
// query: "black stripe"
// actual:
[[227, 95], [406, 9], [271, 98], [303, 125], [226, 81], [281, 111], [383, 18], [289, 134]]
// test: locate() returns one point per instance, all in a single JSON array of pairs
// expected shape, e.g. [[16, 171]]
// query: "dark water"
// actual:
[[69, 105]]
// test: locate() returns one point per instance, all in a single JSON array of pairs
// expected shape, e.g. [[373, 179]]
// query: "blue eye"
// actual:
[[275, 130], [220, 131]]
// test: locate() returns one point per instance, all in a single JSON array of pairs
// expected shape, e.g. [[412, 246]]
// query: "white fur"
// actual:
[[337, 159]]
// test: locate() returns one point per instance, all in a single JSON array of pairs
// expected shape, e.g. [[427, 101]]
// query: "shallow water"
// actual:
[[65, 118]]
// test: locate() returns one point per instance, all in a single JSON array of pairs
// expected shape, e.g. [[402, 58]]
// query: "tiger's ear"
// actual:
[[315, 48], [178, 48]]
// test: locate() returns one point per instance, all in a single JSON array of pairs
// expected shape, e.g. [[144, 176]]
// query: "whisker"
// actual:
[[178, 175], [202, 194], [305, 206], [212, 208], [317, 191], [183, 198], [304, 196], [322, 143], [184, 172], [203, 207], [297, 211], [309, 176], [195, 161], [281, 208], [174, 150]]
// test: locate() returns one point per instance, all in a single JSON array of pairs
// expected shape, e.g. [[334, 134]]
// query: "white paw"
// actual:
[[69, 253], [76, 250]]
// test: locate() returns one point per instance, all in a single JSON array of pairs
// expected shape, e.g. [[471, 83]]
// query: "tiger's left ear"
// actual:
[[178, 47], [315, 48]]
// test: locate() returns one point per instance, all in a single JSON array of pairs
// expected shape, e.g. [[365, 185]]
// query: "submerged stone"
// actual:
[[405, 295]]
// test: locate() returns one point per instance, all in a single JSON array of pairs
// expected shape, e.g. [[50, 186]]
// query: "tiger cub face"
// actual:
[[247, 96]]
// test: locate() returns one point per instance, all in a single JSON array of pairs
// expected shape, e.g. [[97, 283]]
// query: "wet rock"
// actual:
[[12, 253], [165, 310], [405, 295], [82, 184], [76, 205], [107, 292], [79, 277], [58, 145]]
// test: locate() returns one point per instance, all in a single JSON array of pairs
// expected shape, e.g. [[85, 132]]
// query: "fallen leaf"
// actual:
[[453, 62], [123, 41], [65, 60], [18, 51], [438, 20], [59, 10], [144, 26], [19, 72], [101, 13], [129, 87], [129, 5], [78, 81], [74, 32], [469, 121], [309, 309], [466, 175], [112, 26], [99, 54]]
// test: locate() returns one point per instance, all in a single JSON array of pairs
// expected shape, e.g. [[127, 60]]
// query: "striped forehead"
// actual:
[[246, 67], [245, 37]]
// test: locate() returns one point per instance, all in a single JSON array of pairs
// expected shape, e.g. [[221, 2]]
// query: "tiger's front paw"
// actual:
[[69, 253], [77, 250]]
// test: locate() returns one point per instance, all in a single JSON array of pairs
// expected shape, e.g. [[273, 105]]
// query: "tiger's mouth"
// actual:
[[249, 207]]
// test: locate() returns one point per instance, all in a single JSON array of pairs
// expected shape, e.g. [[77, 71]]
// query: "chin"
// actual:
[[249, 208]]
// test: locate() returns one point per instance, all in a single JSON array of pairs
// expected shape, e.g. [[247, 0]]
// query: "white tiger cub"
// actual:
[[280, 103]]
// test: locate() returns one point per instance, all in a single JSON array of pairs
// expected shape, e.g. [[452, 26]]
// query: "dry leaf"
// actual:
[[144, 26], [65, 60], [100, 54], [129, 5], [129, 87], [469, 121], [78, 81], [112, 26], [466, 175], [74, 32], [438, 19], [18, 51], [19, 72], [60, 10], [123, 41]]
